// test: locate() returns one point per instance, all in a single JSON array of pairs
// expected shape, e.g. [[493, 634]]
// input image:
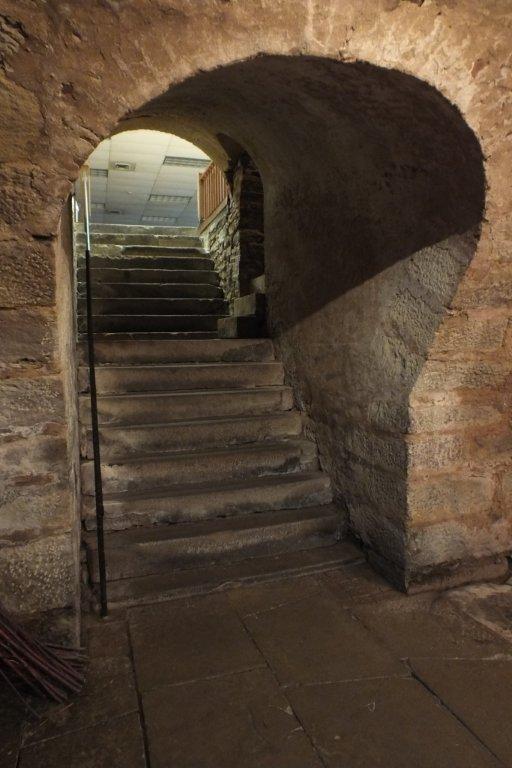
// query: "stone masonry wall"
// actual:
[[381, 129], [235, 237]]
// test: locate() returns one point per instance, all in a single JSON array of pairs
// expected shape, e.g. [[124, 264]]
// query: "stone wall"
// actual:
[[234, 238], [372, 123], [39, 470]]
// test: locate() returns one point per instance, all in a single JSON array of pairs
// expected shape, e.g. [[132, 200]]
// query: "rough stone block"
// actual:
[[470, 333], [32, 508], [452, 415], [27, 273], [442, 498], [39, 575], [28, 402], [27, 340]]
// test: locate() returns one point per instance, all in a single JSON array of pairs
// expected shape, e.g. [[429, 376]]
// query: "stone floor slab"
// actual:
[[270, 595], [108, 638], [108, 693], [479, 693], [416, 626], [388, 723], [356, 584], [237, 721], [114, 744], [315, 640], [179, 644]]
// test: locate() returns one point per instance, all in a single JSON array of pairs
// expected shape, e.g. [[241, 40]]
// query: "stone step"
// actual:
[[118, 274], [148, 472], [155, 306], [140, 238], [199, 581], [144, 229], [113, 379], [167, 548], [250, 304], [150, 351], [149, 262], [140, 336], [147, 408], [149, 323], [122, 441], [152, 290], [158, 249], [251, 327], [210, 500]]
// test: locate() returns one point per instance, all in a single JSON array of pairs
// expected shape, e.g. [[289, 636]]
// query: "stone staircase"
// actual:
[[207, 474]]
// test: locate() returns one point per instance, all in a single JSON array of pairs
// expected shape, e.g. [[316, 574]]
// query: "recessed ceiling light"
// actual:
[[122, 165], [99, 172], [170, 198], [154, 219], [193, 162]]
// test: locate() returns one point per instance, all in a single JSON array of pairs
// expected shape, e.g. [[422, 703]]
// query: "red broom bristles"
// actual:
[[43, 669]]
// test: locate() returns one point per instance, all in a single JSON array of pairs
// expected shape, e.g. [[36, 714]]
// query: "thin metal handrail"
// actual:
[[98, 484]]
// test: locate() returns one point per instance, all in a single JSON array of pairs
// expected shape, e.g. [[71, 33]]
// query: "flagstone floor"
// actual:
[[334, 670]]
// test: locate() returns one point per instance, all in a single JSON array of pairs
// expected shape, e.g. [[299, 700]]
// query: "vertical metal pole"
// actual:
[[98, 486]]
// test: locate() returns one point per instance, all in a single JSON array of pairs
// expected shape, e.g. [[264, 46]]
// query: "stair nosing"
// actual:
[[193, 392], [296, 441], [185, 530], [189, 489], [272, 415]]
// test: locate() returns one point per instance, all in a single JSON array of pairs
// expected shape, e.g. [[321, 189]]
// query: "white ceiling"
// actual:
[[126, 196]]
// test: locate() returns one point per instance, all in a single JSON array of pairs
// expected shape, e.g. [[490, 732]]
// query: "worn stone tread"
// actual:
[[115, 350], [220, 577], [137, 472], [210, 500], [148, 550]]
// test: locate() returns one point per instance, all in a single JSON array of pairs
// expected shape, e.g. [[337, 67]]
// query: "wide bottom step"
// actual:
[[218, 578], [167, 548]]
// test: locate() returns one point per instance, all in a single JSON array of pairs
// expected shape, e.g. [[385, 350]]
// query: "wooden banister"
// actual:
[[212, 190]]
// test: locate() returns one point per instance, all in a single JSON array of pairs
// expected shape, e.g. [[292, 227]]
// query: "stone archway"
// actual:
[[397, 277]]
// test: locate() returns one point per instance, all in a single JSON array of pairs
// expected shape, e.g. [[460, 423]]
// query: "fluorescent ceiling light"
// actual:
[[193, 162], [99, 172], [169, 219], [170, 198], [122, 165]]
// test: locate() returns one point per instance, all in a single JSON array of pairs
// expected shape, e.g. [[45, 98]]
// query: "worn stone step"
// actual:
[[159, 249], [152, 290], [113, 379], [147, 323], [162, 549], [118, 274], [139, 473], [149, 262], [147, 408], [155, 306], [198, 581], [121, 441], [128, 229], [250, 327], [205, 501], [150, 351], [123, 239], [139, 336], [250, 304]]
